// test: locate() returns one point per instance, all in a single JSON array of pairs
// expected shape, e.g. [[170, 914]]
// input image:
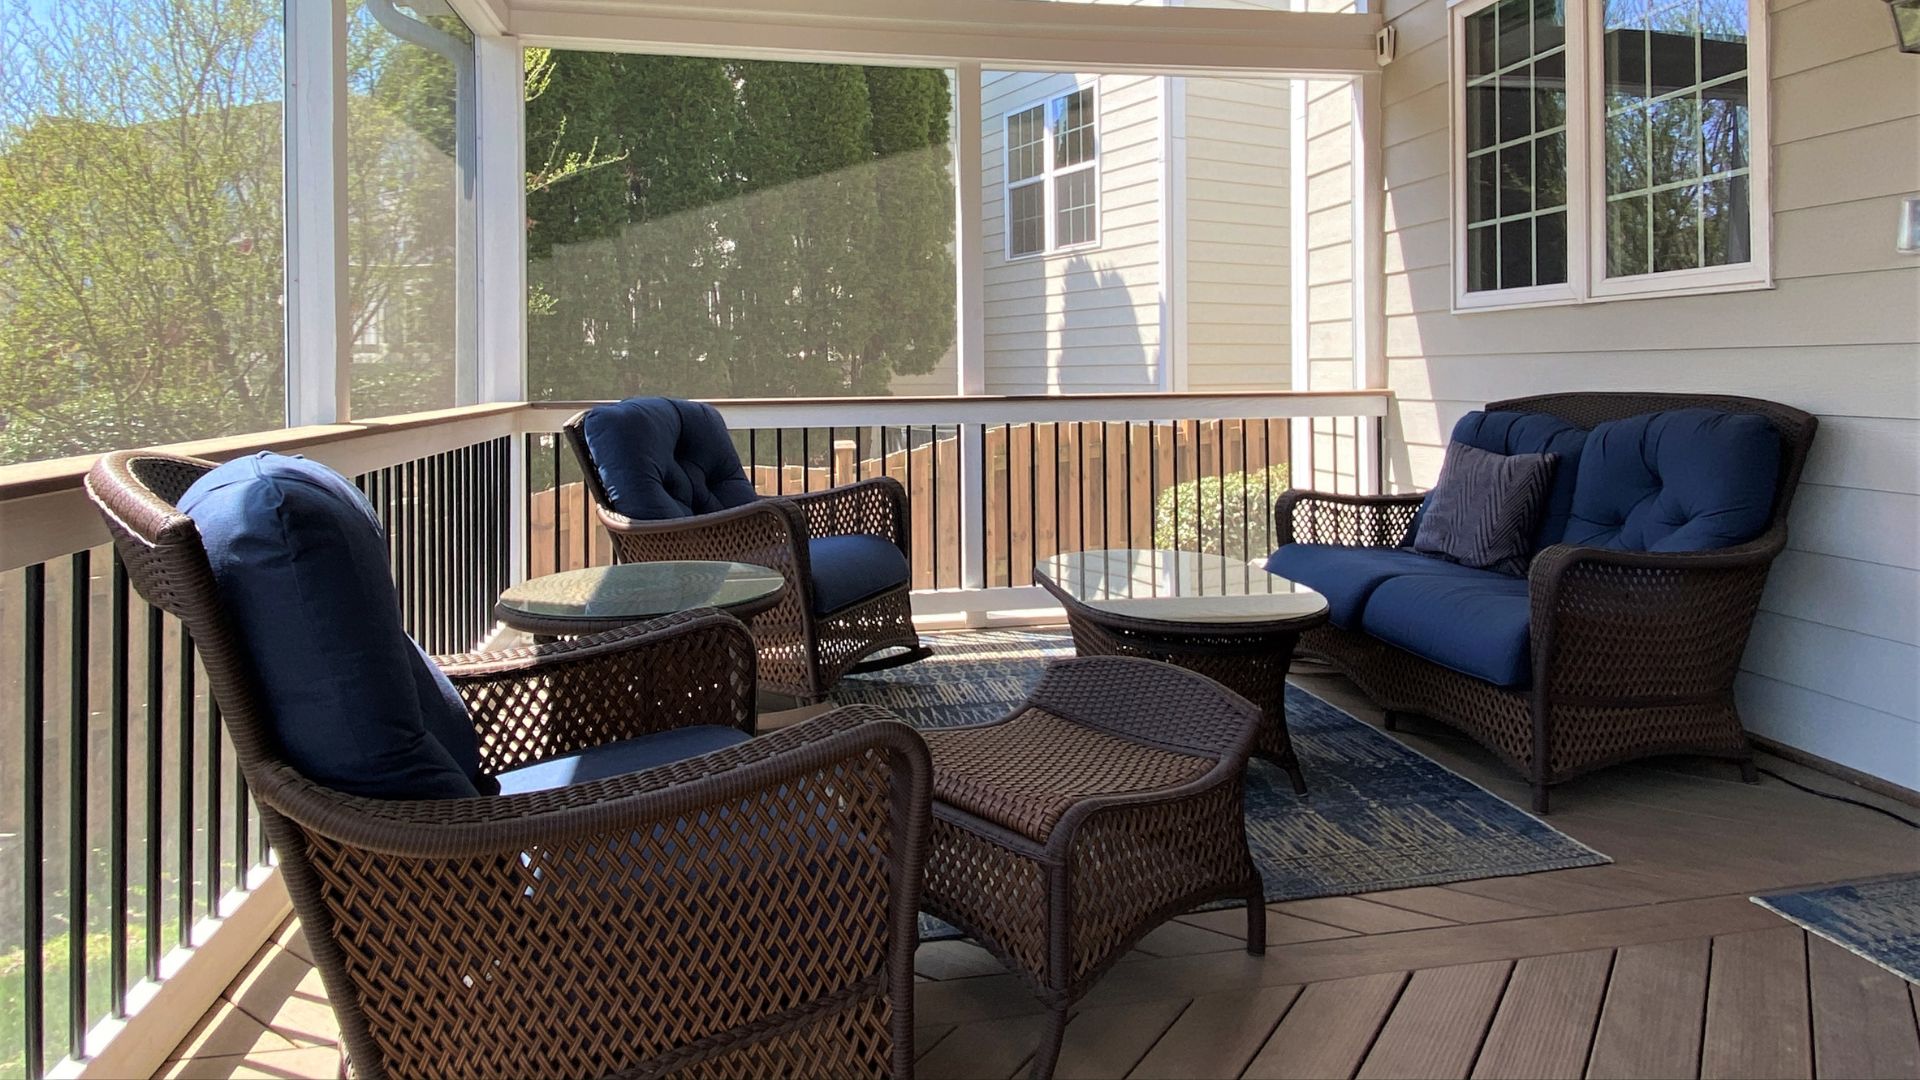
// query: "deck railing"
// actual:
[[127, 838]]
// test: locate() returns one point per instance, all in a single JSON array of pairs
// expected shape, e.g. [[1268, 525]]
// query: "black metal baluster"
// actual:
[[79, 633], [155, 716], [554, 442], [1033, 496], [215, 773], [32, 793], [1127, 476], [1246, 512], [933, 480], [1080, 478], [1220, 473], [183, 854], [833, 457], [117, 793], [1175, 482]]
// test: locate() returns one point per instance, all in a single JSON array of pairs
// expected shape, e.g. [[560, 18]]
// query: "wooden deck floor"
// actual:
[[1655, 966]]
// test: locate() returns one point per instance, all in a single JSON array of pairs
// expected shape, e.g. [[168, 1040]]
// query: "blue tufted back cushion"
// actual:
[[1684, 480], [300, 562], [664, 458], [1512, 433]]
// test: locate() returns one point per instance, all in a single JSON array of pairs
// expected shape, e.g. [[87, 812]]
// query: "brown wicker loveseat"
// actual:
[[749, 911], [1633, 653]]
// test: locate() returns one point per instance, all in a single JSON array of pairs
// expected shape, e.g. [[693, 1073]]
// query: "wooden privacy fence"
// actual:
[[1045, 487]]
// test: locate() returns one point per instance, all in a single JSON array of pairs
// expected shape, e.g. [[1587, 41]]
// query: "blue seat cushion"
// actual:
[[1683, 480], [300, 562], [620, 758], [849, 569], [1474, 623], [663, 458], [1347, 576], [1507, 432]]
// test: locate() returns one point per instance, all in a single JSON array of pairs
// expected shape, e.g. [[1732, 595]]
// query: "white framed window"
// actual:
[[1053, 175], [1602, 149]]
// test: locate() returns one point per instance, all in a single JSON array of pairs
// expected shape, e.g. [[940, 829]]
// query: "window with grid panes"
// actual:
[[1604, 149], [1053, 175]]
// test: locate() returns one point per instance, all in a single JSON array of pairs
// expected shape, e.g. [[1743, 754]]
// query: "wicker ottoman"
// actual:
[[1107, 804]]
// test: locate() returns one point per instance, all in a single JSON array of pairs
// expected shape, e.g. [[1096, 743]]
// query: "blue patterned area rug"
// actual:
[[1874, 920], [1378, 814]]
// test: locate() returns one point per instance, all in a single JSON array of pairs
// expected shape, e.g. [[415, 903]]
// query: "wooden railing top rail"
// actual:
[[64, 474], [1015, 408]]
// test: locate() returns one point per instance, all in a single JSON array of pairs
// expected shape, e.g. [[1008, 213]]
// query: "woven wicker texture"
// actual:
[[801, 654], [1026, 773], [1634, 653], [1145, 821], [746, 912]]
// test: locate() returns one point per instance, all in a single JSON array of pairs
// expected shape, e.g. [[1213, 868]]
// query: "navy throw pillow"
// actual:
[[301, 564], [1485, 507]]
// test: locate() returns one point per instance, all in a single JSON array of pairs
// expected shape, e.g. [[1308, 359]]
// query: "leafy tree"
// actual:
[[769, 229]]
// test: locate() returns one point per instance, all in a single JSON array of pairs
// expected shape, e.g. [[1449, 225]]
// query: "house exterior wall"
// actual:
[[1080, 321], [1832, 665], [1232, 135]]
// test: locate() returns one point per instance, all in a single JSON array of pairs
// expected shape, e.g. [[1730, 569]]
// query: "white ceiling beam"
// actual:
[[999, 34]]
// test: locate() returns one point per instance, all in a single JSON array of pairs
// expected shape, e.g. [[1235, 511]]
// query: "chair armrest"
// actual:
[[683, 908], [532, 704], [1629, 626], [1317, 517], [766, 532], [876, 506]]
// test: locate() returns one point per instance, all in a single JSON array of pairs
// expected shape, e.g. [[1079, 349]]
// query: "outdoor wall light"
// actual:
[[1906, 23]]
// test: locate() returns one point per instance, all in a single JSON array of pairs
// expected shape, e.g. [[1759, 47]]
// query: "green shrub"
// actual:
[[1247, 527]]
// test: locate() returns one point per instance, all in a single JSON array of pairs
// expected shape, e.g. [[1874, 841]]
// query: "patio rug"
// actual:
[[1875, 920], [1378, 814]]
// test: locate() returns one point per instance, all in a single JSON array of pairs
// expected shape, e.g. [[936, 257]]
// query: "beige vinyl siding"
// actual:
[[1834, 664], [1088, 320], [1237, 233]]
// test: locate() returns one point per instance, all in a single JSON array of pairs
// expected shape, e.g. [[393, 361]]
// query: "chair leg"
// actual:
[[1257, 918], [1539, 798], [1749, 771], [1048, 1056], [1391, 721]]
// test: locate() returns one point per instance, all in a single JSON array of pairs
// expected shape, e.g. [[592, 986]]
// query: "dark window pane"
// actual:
[[1480, 34], [1725, 223], [1549, 25], [1516, 179], [1673, 131], [1627, 166], [1516, 254], [1550, 170], [1482, 188], [1480, 116], [1550, 92], [1482, 260], [1676, 229], [1626, 64], [1723, 126], [1550, 249], [1627, 236], [1515, 41], [1516, 106]]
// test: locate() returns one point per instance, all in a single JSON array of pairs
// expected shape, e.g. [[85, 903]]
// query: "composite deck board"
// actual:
[[1109, 1042], [1757, 1023], [1176, 938], [1282, 929], [1452, 904], [941, 960], [1360, 916], [971, 1051], [1655, 1004], [1860, 1014], [1329, 1029], [1438, 1024], [1544, 1027], [1217, 1035]]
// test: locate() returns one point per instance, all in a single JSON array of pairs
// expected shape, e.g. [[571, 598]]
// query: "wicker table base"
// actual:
[[1232, 623], [1107, 804]]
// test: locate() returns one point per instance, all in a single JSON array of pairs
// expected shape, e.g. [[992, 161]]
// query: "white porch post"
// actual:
[[970, 309], [318, 345], [1369, 272], [501, 255]]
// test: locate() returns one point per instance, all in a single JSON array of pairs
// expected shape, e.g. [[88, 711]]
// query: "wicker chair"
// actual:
[[1634, 653], [803, 650], [746, 912]]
